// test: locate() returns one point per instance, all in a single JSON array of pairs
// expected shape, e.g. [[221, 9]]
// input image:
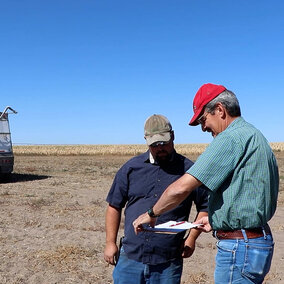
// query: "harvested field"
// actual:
[[52, 221], [122, 150]]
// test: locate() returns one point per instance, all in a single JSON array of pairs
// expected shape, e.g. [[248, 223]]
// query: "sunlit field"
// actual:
[[133, 149], [53, 216]]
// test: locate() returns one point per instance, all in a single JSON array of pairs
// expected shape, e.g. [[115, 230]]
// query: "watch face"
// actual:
[[151, 213]]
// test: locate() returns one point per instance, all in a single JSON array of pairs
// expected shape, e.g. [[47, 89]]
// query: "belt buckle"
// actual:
[[222, 235], [219, 235]]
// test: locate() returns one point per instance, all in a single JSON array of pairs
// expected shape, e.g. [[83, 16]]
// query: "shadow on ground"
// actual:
[[17, 177]]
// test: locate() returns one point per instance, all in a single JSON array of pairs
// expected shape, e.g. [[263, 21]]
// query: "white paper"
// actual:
[[172, 227]]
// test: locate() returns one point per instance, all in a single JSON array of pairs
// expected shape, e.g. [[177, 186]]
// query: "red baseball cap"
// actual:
[[204, 95]]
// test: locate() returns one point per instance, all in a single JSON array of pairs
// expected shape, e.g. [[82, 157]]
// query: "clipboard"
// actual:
[[171, 227]]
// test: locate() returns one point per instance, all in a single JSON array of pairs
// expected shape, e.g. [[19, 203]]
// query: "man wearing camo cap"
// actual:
[[149, 257]]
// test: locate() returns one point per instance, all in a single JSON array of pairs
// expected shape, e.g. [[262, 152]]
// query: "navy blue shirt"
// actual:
[[137, 186]]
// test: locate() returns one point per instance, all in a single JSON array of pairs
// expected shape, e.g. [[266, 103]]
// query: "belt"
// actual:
[[238, 234]]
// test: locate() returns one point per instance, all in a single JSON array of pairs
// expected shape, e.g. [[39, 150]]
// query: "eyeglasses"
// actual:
[[202, 118], [159, 143]]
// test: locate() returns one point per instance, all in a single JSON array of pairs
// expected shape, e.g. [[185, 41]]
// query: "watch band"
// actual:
[[151, 213]]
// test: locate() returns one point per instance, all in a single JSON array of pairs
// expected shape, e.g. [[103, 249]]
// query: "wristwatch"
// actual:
[[151, 213]]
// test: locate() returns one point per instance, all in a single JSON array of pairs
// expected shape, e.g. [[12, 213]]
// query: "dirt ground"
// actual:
[[52, 224]]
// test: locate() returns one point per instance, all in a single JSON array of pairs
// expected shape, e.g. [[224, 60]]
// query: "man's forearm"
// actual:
[[176, 193], [113, 216], [171, 198]]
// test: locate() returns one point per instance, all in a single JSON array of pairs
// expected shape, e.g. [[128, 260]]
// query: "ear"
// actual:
[[221, 110], [173, 135]]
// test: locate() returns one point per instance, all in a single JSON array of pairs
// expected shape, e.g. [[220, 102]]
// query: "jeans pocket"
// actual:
[[257, 261]]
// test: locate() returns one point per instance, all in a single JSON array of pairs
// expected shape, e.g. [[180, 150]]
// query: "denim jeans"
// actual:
[[128, 271], [243, 260]]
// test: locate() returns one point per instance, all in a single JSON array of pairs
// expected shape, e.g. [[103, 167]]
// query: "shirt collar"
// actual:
[[151, 159], [236, 123]]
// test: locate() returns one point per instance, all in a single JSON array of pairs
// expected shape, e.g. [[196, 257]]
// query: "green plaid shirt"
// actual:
[[241, 172]]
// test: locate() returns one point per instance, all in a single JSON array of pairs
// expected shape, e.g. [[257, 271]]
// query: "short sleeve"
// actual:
[[217, 162], [117, 195]]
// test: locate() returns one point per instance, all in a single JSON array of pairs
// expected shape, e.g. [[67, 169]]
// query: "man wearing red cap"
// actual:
[[241, 173]]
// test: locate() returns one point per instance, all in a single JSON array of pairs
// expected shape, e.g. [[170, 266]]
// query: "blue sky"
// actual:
[[91, 72]]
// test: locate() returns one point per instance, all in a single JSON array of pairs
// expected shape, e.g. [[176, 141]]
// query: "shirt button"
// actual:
[[156, 195], [159, 180]]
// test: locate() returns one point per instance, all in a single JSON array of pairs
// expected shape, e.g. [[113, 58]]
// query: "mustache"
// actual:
[[161, 152]]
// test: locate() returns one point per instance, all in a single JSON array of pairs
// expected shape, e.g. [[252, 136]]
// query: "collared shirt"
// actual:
[[137, 186], [241, 172]]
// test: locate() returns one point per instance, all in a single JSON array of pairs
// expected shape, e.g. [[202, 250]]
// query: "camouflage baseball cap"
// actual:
[[157, 128]]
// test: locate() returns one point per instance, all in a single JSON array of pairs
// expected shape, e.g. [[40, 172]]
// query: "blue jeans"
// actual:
[[243, 260], [128, 271]]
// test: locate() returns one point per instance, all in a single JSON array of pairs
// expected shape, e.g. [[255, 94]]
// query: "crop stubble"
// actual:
[[52, 222]]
